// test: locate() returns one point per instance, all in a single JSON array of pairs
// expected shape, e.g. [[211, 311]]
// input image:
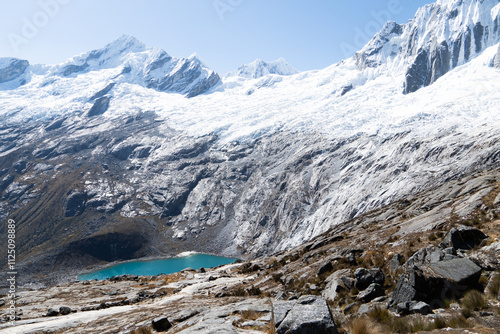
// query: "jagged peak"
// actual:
[[259, 68]]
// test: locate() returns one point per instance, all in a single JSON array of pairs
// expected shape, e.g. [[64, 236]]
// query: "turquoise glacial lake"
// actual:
[[157, 267]]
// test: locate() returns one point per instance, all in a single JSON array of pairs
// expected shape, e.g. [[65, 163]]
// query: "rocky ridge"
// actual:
[[448, 235]]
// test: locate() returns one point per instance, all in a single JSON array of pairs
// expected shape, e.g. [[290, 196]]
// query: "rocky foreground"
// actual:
[[428, 263]]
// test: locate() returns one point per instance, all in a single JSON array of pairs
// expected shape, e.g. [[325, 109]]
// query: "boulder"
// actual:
[[52, 312], [365, 277], [433, 283], [310, 314], [161, 324], [336, 283], [64, 310], [324, 268], [373, 291], [463, 237], [419, 307]]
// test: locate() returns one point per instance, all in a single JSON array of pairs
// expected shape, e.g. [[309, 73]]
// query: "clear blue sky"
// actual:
[[310, 34]]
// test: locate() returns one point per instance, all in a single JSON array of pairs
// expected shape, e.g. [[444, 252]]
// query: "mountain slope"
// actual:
[[99, 152]]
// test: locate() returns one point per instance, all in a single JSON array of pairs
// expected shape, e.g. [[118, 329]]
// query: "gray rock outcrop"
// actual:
[[12, 69], [463, 237], [433, 283], [309, 315]]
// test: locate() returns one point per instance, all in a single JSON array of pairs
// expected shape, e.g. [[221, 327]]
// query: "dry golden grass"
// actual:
[[364, 325], [142, 330]]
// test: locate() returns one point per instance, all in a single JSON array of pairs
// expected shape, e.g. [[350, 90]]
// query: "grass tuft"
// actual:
[[364, 325], [474, 300], [142, 330]]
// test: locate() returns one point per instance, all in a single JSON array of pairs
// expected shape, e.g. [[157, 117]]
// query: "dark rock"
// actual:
[[403, 308], [74, 204], [373, 291], [478, 36], [433, 283], [365, 277], [310, 314], [439, 63], [161, 324], [100, 106], [463, 237], [346, 89], [201, 270], [416, 74], [420, 308], [485, 314], [64, 310], [12, 71], [324, 268], [71, 69], [52, 313], [102, 92]]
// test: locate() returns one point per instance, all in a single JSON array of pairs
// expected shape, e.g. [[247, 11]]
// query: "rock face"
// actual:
[[463, 237], [474, 26], [12, 68], [100, 106], [433, 283], [74, 204], [310, 314]]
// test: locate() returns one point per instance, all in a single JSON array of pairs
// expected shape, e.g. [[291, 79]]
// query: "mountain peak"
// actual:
[[259, 68], [126, 43]]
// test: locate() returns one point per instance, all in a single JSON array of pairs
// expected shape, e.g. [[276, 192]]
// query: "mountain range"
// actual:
[[126, 151]]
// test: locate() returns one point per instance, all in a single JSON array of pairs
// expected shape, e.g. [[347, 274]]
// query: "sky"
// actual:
[[225, 34]]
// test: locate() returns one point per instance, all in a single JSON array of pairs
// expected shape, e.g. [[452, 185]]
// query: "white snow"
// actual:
[[260, 68]]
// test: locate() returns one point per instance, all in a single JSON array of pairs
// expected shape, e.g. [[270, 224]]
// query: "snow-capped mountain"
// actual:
[[441, 37], [125, 60], [260, 68], [105, 146]]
